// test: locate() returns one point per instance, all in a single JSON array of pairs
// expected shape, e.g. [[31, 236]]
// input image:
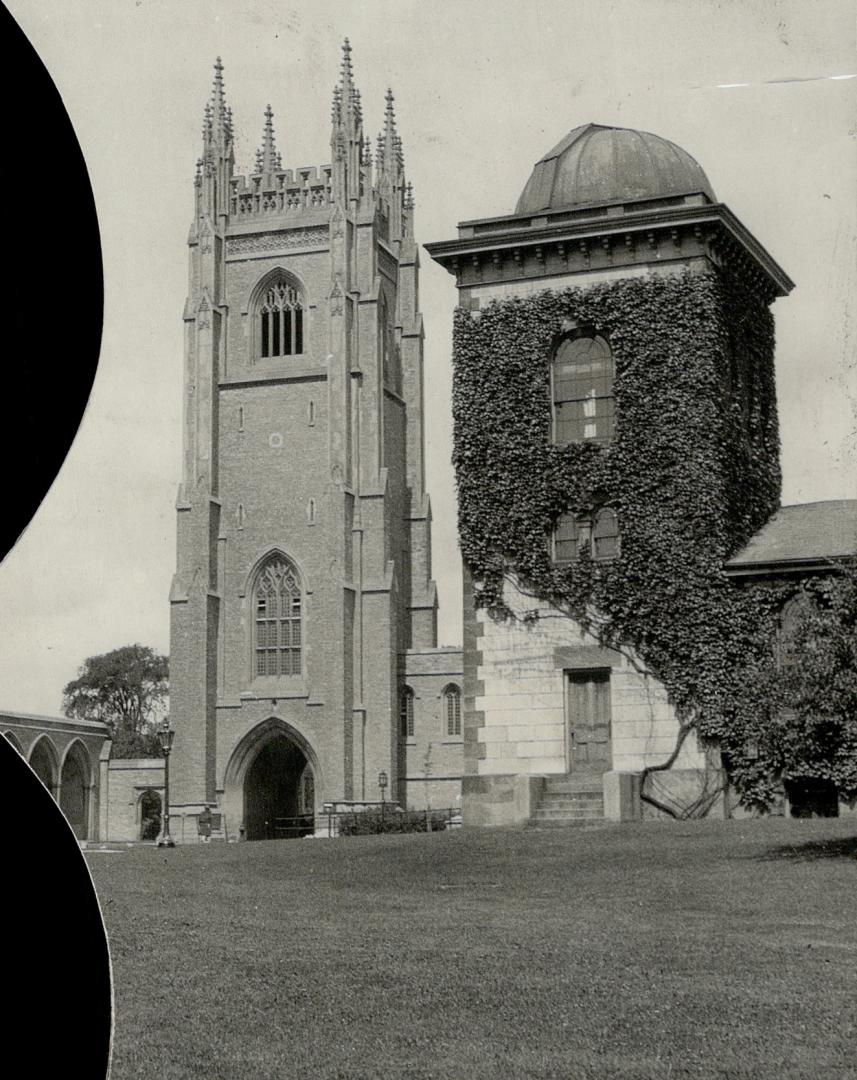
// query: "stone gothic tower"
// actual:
[[304, 558]]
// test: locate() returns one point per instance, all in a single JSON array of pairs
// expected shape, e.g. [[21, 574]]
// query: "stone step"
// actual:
[[574, 796], [572, 813], [573, 784], [567, 823], [593, 809]]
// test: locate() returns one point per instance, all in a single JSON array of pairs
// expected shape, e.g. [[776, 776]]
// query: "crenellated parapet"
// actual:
[[285, 191]]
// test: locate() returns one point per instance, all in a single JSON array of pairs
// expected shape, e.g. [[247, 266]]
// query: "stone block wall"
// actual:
[[432, 759]]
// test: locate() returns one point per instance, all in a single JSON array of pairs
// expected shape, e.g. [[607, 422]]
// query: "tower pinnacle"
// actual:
[[267, 158]]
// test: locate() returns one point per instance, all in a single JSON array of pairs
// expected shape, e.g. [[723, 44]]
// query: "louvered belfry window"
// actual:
[[583, 391], [281, 320], [278, 619]]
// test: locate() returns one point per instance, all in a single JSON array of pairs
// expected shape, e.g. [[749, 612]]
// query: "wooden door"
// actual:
[[588, 709]]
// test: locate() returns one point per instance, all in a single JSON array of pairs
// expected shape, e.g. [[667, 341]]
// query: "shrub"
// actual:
[[373, 822]]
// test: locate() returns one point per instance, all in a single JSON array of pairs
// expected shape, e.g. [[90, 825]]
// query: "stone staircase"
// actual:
[[570, 800]]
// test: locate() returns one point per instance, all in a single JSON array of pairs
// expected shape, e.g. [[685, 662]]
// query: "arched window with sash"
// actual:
[[452, 710], [583, 404], [605, 534]]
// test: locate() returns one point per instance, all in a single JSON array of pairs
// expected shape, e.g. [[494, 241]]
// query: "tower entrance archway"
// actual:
[[273, 774]]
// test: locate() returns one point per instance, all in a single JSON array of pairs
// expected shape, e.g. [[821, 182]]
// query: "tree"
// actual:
[[127, 689], [818, 737], [805, 737]]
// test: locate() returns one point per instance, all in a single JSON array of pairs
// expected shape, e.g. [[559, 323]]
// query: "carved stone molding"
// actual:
[[277, 241]]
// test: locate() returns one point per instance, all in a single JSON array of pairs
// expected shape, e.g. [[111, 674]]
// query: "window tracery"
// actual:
[[278, 619], [280, 318]]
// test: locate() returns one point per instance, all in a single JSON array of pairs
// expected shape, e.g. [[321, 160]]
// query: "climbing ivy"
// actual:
[[692, 472]]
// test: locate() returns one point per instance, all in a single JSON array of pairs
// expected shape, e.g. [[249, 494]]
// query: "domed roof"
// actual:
[[596, 164]]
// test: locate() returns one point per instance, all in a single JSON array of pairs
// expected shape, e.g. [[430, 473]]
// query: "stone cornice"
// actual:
[[715, 223]]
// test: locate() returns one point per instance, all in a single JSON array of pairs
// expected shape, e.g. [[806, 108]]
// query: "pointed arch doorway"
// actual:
[[273, 774]]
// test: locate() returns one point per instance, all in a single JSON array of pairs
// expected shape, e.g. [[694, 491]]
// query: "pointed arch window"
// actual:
[[280, 319], [406, 713], [278, 615], [452, 709], [583, 403]]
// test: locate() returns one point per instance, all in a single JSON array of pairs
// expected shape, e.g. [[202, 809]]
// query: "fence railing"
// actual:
[[366, 817]]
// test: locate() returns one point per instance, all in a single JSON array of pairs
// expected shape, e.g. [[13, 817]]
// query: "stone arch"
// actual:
[[75, 787], [150, 808], [45, 763], [262, 556], [264, 778], [12, 738]]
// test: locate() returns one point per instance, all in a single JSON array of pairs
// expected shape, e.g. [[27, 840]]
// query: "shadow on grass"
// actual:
[[842, 848]]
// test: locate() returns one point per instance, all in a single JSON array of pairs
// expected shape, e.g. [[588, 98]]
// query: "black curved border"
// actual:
[[53, 287]]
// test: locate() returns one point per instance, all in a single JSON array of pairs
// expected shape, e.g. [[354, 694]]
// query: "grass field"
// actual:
[[700, 949]]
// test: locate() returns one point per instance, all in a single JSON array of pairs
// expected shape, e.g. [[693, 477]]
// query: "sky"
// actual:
[[756, 90]]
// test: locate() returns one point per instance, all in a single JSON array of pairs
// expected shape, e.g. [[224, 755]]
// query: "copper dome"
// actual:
[[597, 164]]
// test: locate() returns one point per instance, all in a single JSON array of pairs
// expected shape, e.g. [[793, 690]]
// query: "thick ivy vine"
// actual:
[[692, 471]]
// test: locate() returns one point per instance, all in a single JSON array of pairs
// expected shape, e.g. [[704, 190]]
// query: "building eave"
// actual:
[[523, 232]]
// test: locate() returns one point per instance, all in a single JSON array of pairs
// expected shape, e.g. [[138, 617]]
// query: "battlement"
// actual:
[[283, 191]]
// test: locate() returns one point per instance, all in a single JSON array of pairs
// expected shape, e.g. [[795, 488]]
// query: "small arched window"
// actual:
[[280, 319], [792, 615], [583, 391], [570, 538], [605, 534], [277, 609], [406, 713], [452, 709]]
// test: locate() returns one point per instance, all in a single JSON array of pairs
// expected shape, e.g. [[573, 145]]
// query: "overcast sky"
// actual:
[[483, 89]]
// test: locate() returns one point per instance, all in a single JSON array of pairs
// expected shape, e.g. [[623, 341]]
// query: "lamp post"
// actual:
[[165, 735], [382, 784]]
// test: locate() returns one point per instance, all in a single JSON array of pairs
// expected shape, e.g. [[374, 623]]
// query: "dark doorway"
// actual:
[[812, 798], [275, 792], [74, 792], [150, 815]]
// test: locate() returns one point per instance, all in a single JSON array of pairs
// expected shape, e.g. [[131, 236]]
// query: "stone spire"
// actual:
[[346, 137], [390, 165], [218, 157], [220, 113], [267, 157], [388, 141]]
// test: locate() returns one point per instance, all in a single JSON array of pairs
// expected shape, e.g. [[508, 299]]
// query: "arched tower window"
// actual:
[[277, 607], [406, 713], [583, 391], [280, 319], [605, 534], [452, 709]]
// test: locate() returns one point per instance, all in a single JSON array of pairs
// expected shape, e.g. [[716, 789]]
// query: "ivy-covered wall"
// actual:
[[692, 472]]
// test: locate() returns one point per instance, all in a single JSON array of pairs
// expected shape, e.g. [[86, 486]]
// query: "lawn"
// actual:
[[698, 949]]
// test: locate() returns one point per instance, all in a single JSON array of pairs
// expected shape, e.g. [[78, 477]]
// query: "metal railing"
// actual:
[[387, 817]]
